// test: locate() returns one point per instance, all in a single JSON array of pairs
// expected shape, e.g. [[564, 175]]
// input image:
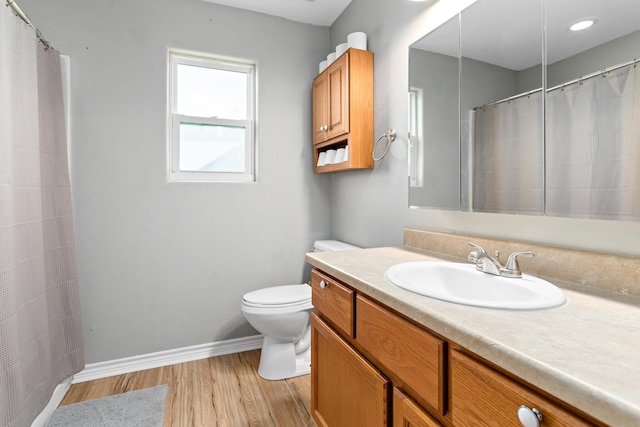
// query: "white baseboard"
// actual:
[[58, 394], [94, 371]]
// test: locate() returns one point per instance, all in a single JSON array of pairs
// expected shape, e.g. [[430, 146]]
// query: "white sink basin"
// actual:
[[463, 284]]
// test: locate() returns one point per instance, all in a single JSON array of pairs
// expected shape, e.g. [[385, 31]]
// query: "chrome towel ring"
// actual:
[[390, 136]]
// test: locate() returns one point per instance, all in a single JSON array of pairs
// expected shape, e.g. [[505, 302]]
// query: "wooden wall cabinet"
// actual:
[[403, 375], [343, 111]]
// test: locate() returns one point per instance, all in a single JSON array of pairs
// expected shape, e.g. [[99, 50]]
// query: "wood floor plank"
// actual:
[[223, 391]]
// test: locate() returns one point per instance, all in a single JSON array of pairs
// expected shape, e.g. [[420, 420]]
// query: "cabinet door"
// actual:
[[345, 389], [407, 413], [320, 95], [483, 397], [338, 80]]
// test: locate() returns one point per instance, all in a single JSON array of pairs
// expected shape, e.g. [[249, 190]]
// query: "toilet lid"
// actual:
[[278, 295]]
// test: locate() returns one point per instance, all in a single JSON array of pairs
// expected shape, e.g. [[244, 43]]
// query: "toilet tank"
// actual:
[[332, 246]]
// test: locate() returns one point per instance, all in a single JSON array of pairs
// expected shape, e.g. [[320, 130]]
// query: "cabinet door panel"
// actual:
[[345, 389], [415, 357], [338, 76], [320, 95], [481, 396], [406, 413]]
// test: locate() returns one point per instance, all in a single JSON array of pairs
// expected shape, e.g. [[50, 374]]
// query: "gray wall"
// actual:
[[437, 76], [617, 51], [164, 266], [161, 265], [370, 208]]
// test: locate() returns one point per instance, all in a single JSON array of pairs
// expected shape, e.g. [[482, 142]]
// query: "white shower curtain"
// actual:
[[508, 157], [591, 151], [41, 341], [593, 147]]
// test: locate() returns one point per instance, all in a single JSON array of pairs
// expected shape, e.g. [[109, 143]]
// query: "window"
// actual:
[[416, 148], [211, 119]]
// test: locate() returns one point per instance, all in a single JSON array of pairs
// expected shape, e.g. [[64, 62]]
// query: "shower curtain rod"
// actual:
[[16, 9], [602, 73]]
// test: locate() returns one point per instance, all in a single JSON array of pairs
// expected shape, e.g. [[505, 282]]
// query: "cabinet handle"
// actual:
[[323, 284], [529, 417]]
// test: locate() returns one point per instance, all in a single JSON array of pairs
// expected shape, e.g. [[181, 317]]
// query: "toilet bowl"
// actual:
[[281, 315]]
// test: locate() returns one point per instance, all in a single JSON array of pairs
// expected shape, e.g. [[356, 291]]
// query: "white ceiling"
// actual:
[[507, 32], [316, 12]]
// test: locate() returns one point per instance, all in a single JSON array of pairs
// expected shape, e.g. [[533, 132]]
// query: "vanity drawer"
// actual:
[[407, 413], [482, 396], [411, 355], [333, 302]]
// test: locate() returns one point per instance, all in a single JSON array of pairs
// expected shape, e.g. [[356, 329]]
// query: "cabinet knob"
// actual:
[[529, 417], [323, 284]]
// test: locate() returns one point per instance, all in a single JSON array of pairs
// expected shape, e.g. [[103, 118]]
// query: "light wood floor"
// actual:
[[219, 391]]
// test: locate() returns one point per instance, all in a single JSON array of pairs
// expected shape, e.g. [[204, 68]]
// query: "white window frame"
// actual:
[[416, 142], [178, 57]]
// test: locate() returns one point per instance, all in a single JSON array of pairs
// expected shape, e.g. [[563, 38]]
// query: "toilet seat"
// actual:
[[286, 296], [278, 300]]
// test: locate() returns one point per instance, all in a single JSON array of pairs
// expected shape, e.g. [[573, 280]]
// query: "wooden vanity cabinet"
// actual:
[[482, 396], [342, 103], [347, 383], [346, 389], [371, 363]]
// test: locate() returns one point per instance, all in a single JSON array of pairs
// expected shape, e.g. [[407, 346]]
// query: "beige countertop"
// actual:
[[584, 352]]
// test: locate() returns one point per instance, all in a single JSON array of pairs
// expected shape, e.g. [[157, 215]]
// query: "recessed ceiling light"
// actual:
[[583, 24]]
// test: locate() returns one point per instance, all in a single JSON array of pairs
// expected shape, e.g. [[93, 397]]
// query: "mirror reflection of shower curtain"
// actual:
[[508, 155], [593, 143]]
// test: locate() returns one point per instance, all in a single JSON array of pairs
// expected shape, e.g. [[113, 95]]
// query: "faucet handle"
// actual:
[[512, 268], [478, 247], [475, 255]]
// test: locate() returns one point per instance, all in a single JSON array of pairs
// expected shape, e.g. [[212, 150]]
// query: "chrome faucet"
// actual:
[[484, 262], [488, 264]]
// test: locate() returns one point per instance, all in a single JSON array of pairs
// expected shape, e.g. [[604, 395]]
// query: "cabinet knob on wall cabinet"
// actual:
[[529, 417], [323, 284]]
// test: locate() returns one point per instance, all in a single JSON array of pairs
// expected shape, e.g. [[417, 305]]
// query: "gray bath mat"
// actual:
[[140, 408]]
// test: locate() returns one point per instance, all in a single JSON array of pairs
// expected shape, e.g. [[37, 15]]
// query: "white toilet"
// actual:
[[281, 314]]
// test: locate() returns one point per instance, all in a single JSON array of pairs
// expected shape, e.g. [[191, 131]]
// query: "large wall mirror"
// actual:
[[499, 124]]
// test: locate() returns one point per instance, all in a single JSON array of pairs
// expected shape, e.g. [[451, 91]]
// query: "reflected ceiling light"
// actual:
[[583, 24]]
